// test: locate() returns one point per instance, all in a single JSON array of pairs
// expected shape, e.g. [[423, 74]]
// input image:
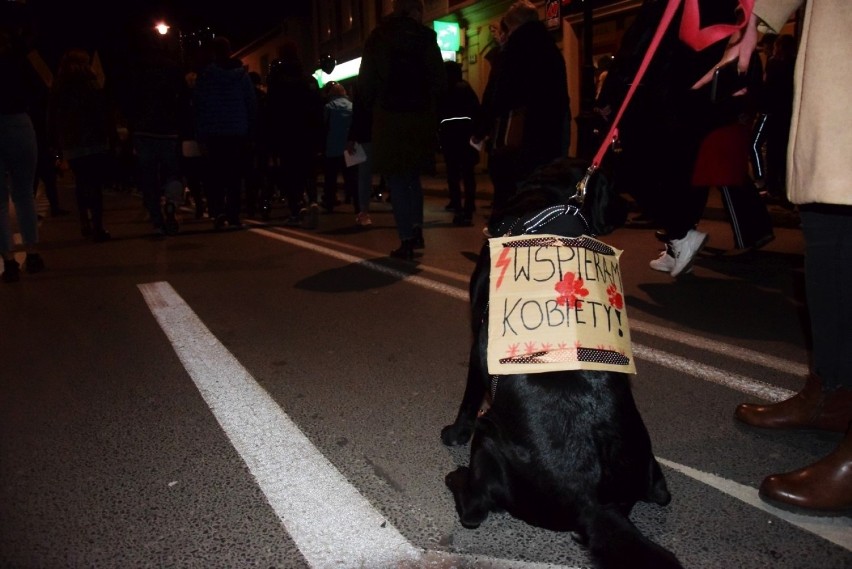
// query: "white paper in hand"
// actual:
[[355, 157]]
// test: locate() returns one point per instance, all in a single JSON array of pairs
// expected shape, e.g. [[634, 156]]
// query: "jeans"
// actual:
[[828, 274], [407, 202], [18, 157]]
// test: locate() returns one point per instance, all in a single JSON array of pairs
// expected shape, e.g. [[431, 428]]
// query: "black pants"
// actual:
[[828, 272], [225, 166], [89, 181], [332, 167], [460, 174]]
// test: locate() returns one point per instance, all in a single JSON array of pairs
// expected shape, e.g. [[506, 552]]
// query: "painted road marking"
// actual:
[[687, 366], [837, 530], [331, 522]]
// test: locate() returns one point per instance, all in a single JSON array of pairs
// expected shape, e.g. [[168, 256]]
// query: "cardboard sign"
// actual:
[[556, 303]]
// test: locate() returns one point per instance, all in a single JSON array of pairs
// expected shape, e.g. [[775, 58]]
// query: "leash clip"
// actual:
[[580, 195]]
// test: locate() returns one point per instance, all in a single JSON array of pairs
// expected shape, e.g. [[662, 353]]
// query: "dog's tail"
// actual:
[[615, 543]]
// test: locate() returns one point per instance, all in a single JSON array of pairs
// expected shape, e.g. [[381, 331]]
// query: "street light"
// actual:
[[162, 28]]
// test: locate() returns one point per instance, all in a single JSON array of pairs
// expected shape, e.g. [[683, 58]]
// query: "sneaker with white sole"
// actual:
[[684, 250], [666, 261]]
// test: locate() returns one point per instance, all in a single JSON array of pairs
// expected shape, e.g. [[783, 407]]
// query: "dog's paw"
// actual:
[[455, 435], [456, 479]]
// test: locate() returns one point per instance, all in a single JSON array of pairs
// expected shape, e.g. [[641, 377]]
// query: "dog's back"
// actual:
[[565, 450]]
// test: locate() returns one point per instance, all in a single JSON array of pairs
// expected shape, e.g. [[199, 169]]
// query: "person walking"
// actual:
[[18, 148], [226, 107], [401, 78], [154, 106], [81, 124], [818, 181], [531, 95], [294, 107], [337, 120], [360, 136], [459, 111]]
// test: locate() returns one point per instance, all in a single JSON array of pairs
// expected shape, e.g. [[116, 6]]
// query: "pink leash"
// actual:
[[692, 35]]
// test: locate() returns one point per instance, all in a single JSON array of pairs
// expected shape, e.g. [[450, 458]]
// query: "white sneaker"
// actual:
[[664, 263], [685, 249]]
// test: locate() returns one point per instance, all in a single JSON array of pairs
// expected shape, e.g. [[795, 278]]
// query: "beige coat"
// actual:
[[819, 166]]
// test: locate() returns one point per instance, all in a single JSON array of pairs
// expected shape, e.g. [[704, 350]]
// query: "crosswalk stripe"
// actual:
[[331, 522]]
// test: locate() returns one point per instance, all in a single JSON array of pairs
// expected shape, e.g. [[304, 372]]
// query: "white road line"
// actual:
[[736, 352], [448, 290], [696, 369], [837, 530], [332, 524], [718, 376]]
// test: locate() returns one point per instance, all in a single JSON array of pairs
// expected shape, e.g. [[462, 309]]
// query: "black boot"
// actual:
[[11, 271], [417, 240], [405, 250]]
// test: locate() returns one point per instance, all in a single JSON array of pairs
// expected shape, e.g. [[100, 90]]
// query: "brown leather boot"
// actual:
[[824, 486], [811, 408]]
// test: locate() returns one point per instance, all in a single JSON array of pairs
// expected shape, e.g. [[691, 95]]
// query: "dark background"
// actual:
[[112, 26]]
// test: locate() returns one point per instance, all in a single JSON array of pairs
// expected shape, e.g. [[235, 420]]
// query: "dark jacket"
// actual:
[[79, 118], [157, 97], [294, 110], [533, 80], [225, 103], [401, 78], [459, 114]]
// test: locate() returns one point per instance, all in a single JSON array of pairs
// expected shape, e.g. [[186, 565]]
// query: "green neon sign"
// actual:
[[449, 35]]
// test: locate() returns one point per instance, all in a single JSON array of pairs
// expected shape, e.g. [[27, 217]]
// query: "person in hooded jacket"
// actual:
[[226, 108]]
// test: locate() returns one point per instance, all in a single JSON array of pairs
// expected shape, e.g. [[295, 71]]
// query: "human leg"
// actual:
[[365, 187], [825, 403], [405, 189], [237, 161], [214, 180], [21, 156], [454, 178], [331, 167], [469, 204], [148, 178]]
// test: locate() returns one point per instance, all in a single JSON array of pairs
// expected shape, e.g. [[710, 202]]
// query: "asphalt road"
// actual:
[[272, 397]]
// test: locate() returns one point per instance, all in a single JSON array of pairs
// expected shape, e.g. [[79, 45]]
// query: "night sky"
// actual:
[[110, 25]]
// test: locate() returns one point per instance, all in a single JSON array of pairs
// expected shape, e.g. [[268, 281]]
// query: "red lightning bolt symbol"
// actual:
[[502, 261]]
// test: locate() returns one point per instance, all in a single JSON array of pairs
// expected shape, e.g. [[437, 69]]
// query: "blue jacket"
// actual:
[[338, 118]]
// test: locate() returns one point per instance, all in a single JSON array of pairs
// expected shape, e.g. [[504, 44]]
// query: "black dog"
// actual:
[[567, 451]]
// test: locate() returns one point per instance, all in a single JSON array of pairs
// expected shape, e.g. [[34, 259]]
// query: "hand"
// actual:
[[350, 146], [740, 47]]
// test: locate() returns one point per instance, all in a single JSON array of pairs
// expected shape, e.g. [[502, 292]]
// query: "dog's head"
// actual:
[[554, 184]]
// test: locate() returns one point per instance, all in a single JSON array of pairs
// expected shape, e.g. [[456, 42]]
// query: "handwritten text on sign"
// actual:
[[556, 303]]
